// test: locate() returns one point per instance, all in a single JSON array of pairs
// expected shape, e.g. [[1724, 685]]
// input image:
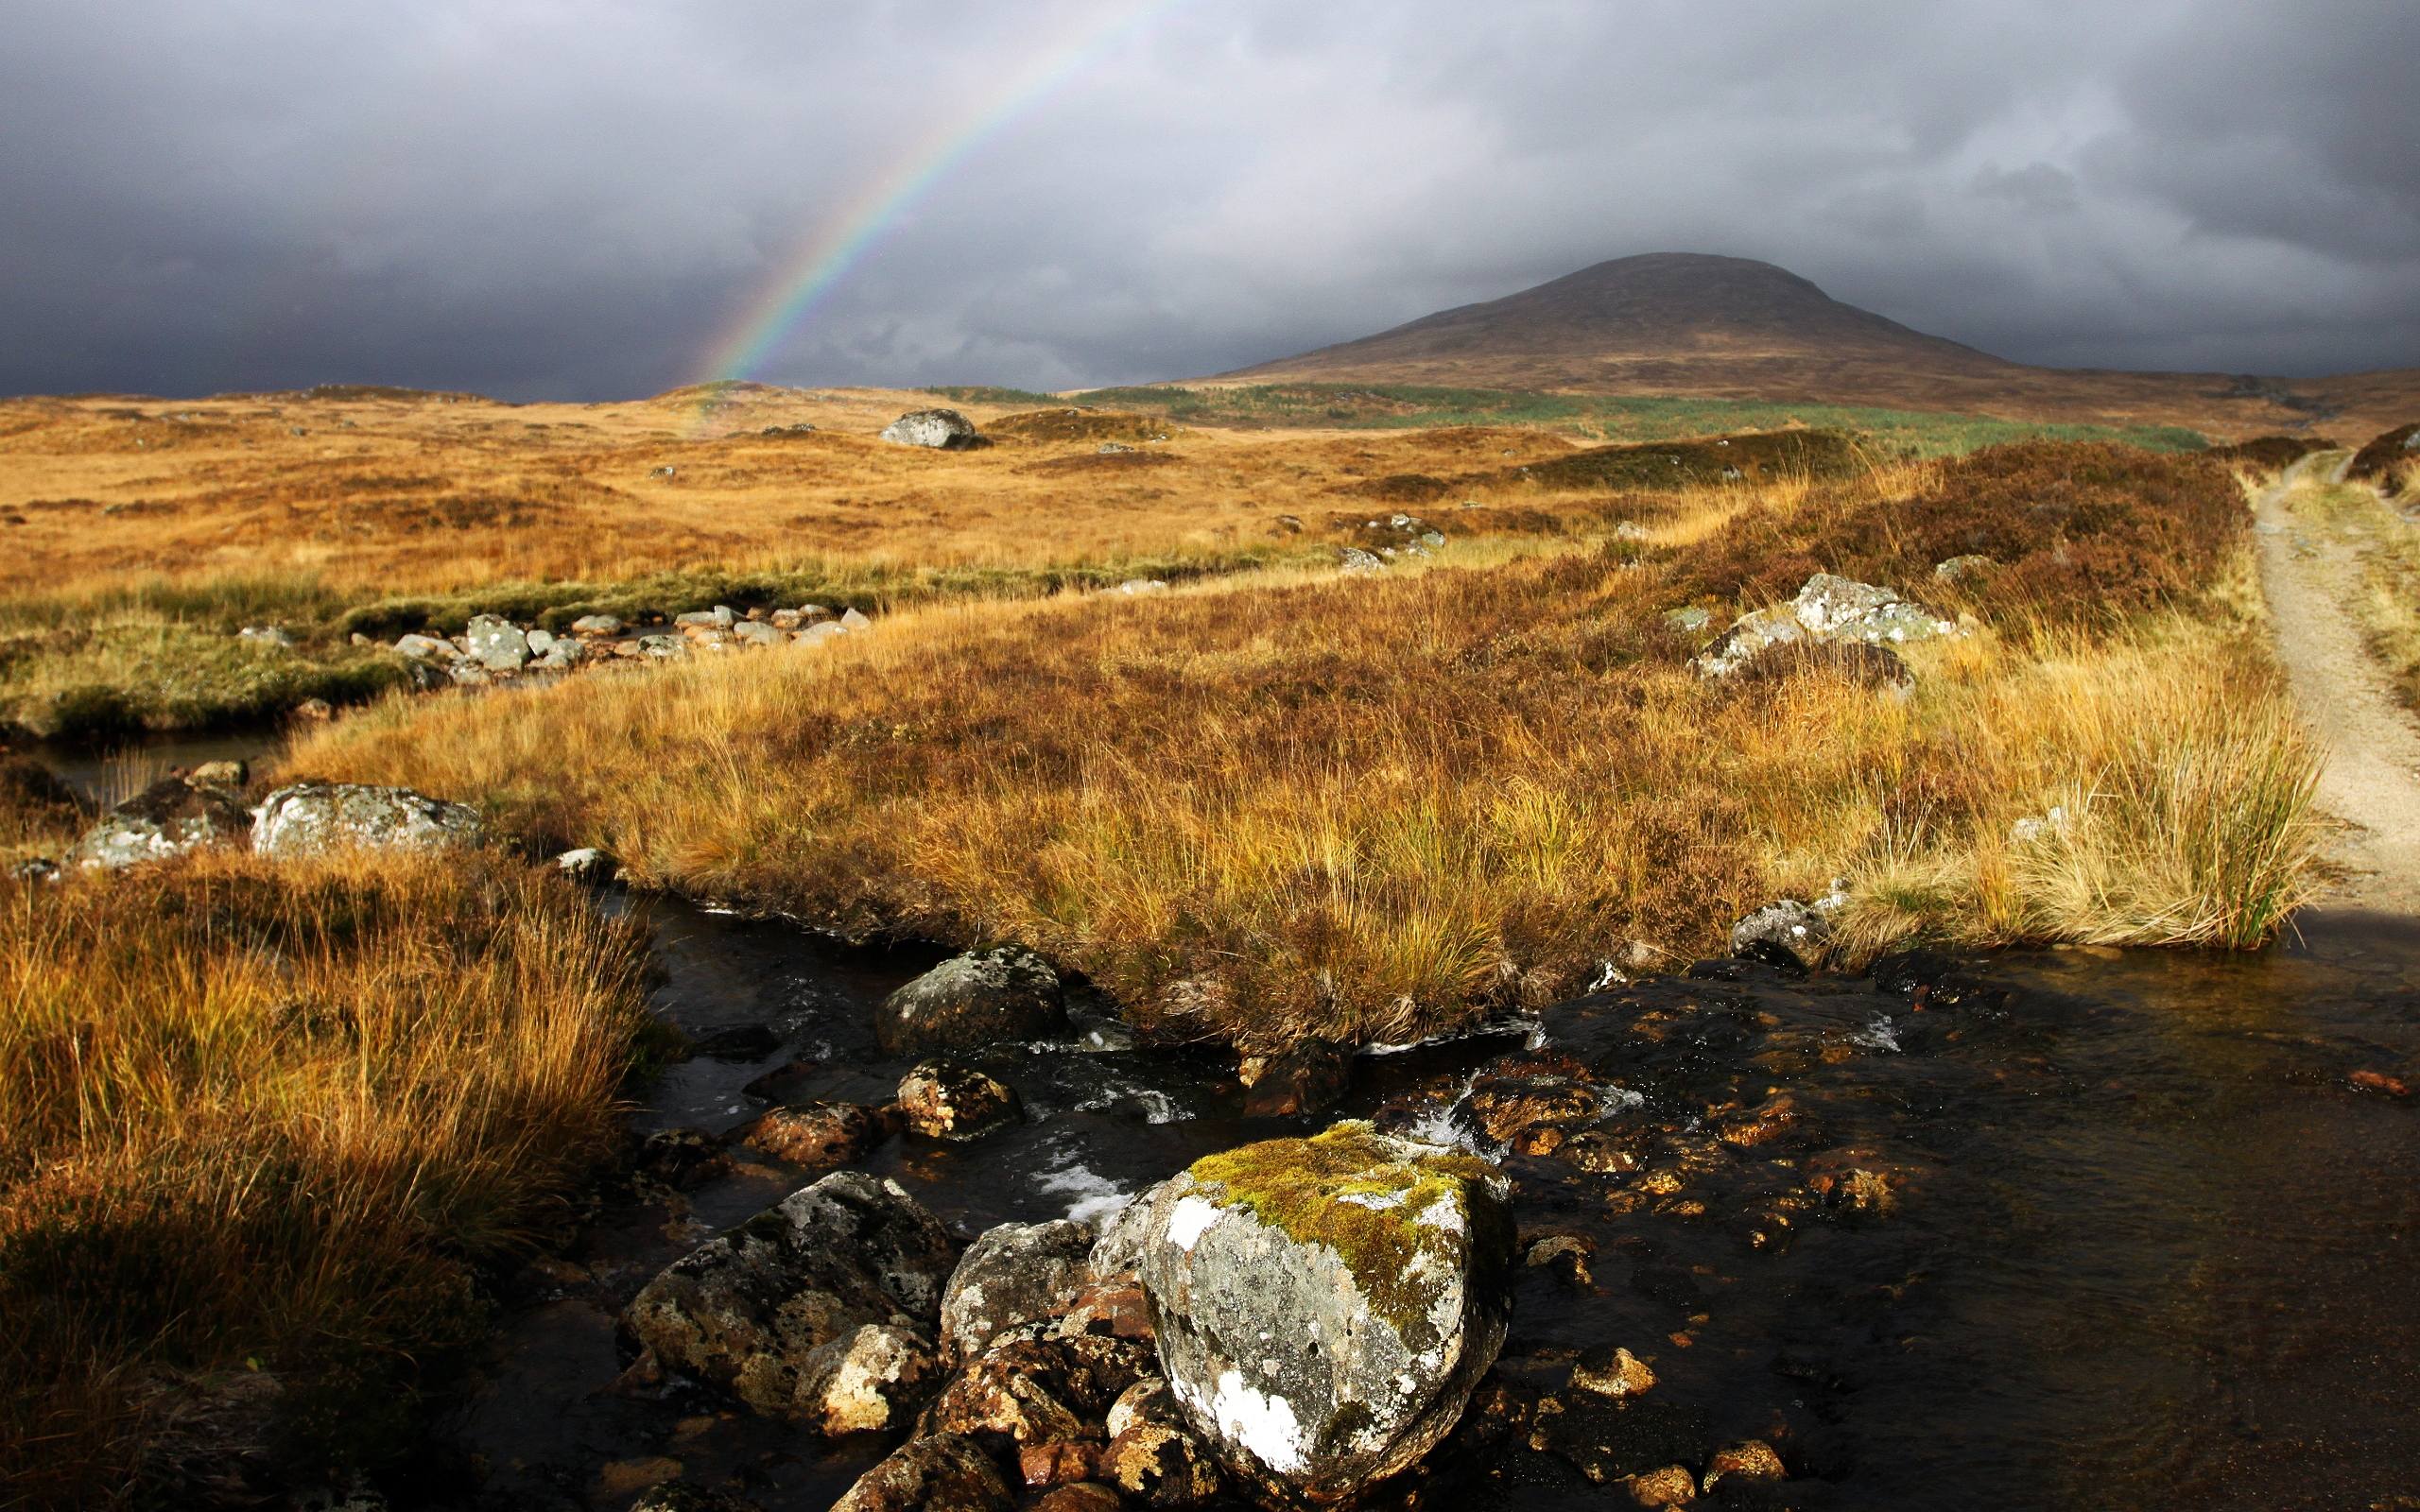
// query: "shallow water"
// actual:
[[106, 774], [2152, 1249]]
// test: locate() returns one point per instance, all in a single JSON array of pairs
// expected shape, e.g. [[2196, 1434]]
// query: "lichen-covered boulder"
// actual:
[[309, 816], [869, 1380], [1324, 1305], [943, 1100], [1016, 1272], [981, 998], [749, 1309], [1787, 930], [1827, 609], [497, 643], [168, 818], [816, 1134], [939, 1472], [943, 429]]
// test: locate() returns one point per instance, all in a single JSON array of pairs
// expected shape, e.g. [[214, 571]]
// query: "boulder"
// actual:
[[597, 624], [943, 1100], [818, 1135], [1160, 1465], [586, 864], [428, 649], [679, 1496], [308, 816], [1959, 567], [755, 632], [234, 773], [855, 619], [168, 818], [1799, 931], [869, 1380], [939, 1472], [1353, 559], [720, 617], [663, 648], [497, 643], [969, 1001], [750, 1310], [1016, 1272], [1827, 609], [943, 429], [818, 633], [1384, 1264]]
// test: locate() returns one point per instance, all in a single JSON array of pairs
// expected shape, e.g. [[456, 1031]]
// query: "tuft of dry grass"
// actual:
[[259, 1126], [1367, 808]]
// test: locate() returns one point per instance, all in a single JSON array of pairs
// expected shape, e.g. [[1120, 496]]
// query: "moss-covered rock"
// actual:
[[1324, 1305]]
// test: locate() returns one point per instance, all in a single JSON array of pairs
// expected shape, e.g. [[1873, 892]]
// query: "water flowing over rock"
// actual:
[[308, 816], [1826, 609], [944, 429], [1324, 1306], [168, 819], [754, 1310], [1016, 1272], [974, 1000]]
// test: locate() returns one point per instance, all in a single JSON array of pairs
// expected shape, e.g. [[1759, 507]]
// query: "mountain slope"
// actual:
[[1685, 323]]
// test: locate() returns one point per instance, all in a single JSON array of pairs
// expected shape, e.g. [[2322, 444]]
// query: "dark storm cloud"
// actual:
[[581, 199]]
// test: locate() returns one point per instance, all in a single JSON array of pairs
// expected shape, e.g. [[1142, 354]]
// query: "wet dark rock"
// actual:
[[1752, 1460], [679, 1496], [1608, 1438], [309, 816], [1669, 1485], [1310, 1077], [738, 1041], [1610, 1371], [1774, 1121], [781, 1083], [168, 818], [1090, 1496], [942, 429], [1017, 1273], [817, 1135], [1788, 932], [1529, 1111], [681, 1158], [939, 1472], [747, 1310], [1564, 1254], [1033, 1389], [946, 1100], [1385, 1264], [1006, 993], [1066, 1462]]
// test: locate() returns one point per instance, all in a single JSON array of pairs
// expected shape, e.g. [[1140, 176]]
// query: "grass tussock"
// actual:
[[260, 1127], [1370, 807]]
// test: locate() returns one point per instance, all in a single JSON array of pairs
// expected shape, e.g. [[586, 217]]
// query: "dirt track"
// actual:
[[2372, 777]]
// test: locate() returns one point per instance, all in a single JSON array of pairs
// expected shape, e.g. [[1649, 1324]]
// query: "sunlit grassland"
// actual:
[[1370, 807], [261, 1127], [2384, 595]]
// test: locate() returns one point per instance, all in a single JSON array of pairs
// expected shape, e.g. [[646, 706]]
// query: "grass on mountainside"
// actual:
[[1369, 807], [1593, 417], [2385, 597], [261, 1125]]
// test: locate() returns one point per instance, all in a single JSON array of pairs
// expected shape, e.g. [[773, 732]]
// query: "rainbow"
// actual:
[[823, 259]]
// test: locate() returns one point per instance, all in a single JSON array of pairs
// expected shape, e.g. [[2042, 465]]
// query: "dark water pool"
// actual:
[[2153, 1246]]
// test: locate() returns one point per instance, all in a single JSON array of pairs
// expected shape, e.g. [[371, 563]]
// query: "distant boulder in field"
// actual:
[[309, 816], [974, 1000], [497, 643], [168, 819], [942, 429], [597, 624], [1827, 609], [428, 649]]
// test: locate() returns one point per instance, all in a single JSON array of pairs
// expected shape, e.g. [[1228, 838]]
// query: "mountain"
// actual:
[[1687, 323]]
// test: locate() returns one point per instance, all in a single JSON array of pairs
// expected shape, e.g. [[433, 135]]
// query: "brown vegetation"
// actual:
[[1367, 808], [2386, 460], [260, 1127]]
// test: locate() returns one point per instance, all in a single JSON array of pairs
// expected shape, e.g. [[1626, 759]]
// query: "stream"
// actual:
[[2150, 1245]]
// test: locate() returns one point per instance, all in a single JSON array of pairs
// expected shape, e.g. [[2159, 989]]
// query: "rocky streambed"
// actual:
[[2070, 1229]]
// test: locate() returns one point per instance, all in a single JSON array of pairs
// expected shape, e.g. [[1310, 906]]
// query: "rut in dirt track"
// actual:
[[2371, 778]]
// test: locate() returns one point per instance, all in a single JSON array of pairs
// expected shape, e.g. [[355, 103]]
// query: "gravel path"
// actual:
[[2372, 777]]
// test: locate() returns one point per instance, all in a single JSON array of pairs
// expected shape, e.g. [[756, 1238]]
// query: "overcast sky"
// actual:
[[584, 198]]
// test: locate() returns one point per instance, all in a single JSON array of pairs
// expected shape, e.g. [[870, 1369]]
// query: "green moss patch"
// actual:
[[1351, 1191]]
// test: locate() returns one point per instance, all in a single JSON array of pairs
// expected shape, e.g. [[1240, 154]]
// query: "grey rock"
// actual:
[[1959, 567], [1334, 1341], [853, 620], [470, 674], [1689, 620], [664, 647], [541, 642], [943, 429], [168, 819], [597, 624], [1801, 928], [1112, 448], [232, 773], [1119, 1248], [276, 635], [497, 643], [1141, 585], [869, 1380], [1014, 1274], [755, 632], [719, 617], [749, 1309], [818, 634], [969, 1001], [428, 649], [308, 816], [1828, 608], [1353, 559], [587, 864]]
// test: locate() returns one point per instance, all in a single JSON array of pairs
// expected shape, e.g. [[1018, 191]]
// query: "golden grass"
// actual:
[[259, 1126], [1368, 807]]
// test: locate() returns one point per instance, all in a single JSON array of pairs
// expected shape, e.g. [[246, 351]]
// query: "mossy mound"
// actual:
[[1075, 424], [2273, 452], [1754, 457]]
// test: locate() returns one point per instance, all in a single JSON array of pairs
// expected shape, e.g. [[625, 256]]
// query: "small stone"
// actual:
[[939, 1472], [1056, 1464], [427, 649], [1141, 585], [1618, 1374], [587, 864], [1353, 559], [663, 648], [855, 620], [676, 1496], [819, 1136], [2378, 1081], [944, 1100], [753, 632], [597, 624], [1752, 1460], [312, 712], [1672, 1486]]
